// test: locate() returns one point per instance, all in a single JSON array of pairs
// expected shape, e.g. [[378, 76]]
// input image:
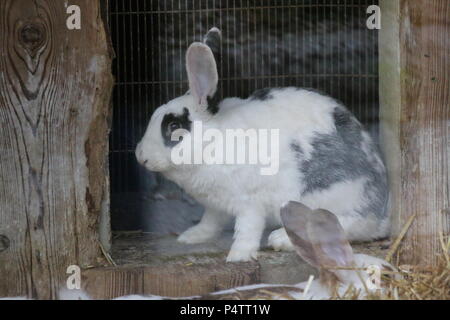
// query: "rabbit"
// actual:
[[319, 239], [326, 159]]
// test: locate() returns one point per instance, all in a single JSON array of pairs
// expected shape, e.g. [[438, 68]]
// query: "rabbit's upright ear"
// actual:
[[213, 39], [328, 238], [202, 73], [295, 216], [317, 236]]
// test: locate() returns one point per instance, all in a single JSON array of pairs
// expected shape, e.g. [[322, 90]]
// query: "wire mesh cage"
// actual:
[[320, 44]]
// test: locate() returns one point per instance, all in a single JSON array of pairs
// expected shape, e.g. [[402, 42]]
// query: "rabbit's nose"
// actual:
[[140, 155]]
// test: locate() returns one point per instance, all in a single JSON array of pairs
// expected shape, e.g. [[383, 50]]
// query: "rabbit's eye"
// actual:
[[174, 125]]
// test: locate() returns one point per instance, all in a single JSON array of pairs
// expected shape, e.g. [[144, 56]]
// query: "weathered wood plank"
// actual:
[[55, 89], [171, 280], [150, 264], [415, 104]]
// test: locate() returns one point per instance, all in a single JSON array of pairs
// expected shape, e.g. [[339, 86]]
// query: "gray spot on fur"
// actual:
[[339, 157], [262, 94]]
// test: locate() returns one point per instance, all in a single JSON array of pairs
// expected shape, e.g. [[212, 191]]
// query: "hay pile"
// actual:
[[415, 282], [412, 282]]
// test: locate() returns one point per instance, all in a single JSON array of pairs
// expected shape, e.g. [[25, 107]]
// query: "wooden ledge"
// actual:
[[148, 264]]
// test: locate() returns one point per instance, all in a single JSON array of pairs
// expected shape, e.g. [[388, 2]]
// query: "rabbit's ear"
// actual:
[[213, 39], [295, 216], [328, 239], [317, 236], [202, 73]]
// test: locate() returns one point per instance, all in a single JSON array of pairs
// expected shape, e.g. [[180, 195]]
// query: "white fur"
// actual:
[[239, 190]]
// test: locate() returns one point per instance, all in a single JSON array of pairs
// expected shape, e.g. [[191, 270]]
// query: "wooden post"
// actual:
[[415, 115], [55, 87]]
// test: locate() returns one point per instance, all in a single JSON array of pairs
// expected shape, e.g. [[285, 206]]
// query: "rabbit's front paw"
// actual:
[[196, 234], [242, 253], [279, 240]]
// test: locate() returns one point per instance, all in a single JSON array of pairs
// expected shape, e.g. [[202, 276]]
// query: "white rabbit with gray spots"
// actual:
[[326, 159]]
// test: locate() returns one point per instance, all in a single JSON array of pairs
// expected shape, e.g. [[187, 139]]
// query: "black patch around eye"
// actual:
[[172, 120], [174, 125]]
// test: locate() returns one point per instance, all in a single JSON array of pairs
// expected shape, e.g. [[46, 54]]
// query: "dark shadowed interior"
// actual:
[[320, 44]]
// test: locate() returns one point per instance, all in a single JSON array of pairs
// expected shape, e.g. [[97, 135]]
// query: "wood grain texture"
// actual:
[[171, 280], [415, 95], [142, 270], [55, 89]]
